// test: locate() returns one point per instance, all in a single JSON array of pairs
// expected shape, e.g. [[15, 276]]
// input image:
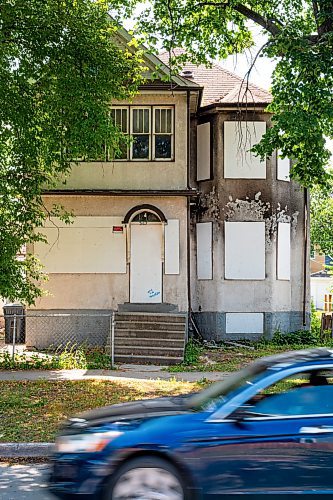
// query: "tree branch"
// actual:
[[268, 24]]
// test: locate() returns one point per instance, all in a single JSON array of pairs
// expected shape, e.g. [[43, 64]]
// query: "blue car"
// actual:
[[265, 430]]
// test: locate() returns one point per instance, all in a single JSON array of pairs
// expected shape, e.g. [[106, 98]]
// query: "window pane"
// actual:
[[157, 121], [169, 120], [146, 121], [163, 146], [140, 146], [124, 120], [136, 120], [141, 121]]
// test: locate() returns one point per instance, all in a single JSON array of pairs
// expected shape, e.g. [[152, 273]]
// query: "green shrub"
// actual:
[[193, 349], [315, 321], [300, 337]]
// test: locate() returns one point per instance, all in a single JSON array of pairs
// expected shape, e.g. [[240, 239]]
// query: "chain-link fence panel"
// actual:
[[54, 331]]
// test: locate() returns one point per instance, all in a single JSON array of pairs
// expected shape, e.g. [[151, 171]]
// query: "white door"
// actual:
[[146, 263]]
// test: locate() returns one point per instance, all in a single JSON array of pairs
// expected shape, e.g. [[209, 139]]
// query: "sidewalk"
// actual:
[[124, 372]]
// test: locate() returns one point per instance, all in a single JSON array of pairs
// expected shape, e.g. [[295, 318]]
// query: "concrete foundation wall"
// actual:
[[212, 325]]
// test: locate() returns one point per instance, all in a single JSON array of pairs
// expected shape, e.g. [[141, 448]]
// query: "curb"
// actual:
[[25, 450]]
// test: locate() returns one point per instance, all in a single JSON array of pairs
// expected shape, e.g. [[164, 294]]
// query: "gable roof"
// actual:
[[154, 64], [220, 85]]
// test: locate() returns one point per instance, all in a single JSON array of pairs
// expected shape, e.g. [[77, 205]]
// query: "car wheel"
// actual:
[[146, 478]]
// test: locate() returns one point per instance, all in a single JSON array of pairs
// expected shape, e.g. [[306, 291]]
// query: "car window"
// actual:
[[305, 394]]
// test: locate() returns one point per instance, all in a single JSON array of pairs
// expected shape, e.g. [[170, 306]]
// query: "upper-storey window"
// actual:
[[141, 133], [120, 117], [151, 129], [163, 133]]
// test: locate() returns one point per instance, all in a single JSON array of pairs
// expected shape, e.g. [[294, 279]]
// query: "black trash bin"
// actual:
[[10, 311]]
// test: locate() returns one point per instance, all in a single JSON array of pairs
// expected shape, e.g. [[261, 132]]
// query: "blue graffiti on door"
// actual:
[[152, 293]]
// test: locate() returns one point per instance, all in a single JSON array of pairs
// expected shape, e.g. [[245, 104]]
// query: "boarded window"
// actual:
[[283, 251], [283, 168], [245, 250], [239, 162], [203, 152], [89, 245], [204, 251], [171, 250], [244, 323]]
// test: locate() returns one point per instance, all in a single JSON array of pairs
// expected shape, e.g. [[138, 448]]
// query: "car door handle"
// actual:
[[324, 429]]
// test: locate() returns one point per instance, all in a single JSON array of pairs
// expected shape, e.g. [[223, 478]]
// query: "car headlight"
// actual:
[[85, 443]]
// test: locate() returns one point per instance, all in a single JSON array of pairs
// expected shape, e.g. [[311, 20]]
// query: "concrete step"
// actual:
[[149, 342], [153, 360], [149, 334], [151, 318], [148, 351], [146, 325]]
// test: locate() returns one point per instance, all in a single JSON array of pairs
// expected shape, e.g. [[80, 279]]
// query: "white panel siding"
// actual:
[[171, 247], [239, 162], [245, 250], [283, 251], [283, 168], [204, 251], [86, 246], [203, 151], [244, 323]]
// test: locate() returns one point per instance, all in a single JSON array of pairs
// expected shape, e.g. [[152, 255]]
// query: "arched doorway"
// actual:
[[146, 232]]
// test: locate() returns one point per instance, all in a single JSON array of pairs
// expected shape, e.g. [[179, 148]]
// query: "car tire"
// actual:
[[146, 478]]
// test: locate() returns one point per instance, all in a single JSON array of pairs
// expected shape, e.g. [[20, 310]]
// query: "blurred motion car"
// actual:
[[267, 429]]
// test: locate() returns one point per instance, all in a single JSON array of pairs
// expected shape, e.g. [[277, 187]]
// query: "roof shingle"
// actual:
[[220, 85]]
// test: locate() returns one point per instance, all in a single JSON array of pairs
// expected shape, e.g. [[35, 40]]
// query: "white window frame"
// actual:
[[154, 134], [131, 109]]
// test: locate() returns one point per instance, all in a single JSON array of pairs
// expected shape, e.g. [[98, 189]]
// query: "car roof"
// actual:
[[319, 354]]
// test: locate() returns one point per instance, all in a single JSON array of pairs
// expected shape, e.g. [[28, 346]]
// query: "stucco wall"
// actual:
[[269, 200], [140, 174], [105, 291]]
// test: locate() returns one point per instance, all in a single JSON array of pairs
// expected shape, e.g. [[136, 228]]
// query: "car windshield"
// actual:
[[220, 392]]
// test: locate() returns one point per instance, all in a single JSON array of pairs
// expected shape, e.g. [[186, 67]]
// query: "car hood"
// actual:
[[146, 408]]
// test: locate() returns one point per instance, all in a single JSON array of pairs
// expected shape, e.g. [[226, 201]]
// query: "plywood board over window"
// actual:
[[244, 323], [283, 168], [239, 161], [89, 245], [171, 247], [283, 251], [203, 152], [204, 251], [245, 250]]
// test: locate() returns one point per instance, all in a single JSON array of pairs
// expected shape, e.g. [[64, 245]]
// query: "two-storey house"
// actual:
[[185, 220]]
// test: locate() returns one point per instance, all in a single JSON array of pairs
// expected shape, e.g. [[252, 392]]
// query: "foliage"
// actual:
[[59, 71], [70, 357], [321, 221], [34, 409], [299, 39], [193, 349], [299, 338], [315, 321]]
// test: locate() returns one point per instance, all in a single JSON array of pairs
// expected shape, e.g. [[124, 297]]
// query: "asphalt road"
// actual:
[[24, 482]]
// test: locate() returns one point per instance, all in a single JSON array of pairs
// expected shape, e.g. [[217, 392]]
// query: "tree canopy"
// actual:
[[60, 68], [299, 39], [321, 221]]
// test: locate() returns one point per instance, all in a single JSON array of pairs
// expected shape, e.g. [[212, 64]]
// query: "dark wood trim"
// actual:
[[120, 192], [139, 208]]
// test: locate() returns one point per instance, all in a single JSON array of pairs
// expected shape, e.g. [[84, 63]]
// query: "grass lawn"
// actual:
[[229, 359], [32, 410]]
